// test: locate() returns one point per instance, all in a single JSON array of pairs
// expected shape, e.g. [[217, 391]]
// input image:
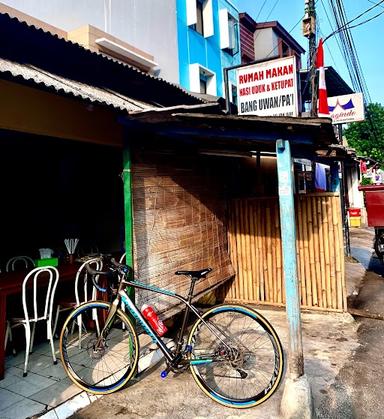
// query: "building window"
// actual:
[[203, 83], [229, 32], [200, 16], [233, 30], [199, 26], [202, 80], [234, 94], [284, 49]]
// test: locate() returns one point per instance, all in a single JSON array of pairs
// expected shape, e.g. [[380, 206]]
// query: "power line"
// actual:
[[293, 27], [272, 9], [346, 27], [330, 52], [347, 47], [330, 24], [375, 3], [350, 52], [262, 7]]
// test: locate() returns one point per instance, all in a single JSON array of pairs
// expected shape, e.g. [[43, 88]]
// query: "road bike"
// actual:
[[234, 354]]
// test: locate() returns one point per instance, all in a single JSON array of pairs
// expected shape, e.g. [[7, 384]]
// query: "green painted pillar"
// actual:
[[128, 209]]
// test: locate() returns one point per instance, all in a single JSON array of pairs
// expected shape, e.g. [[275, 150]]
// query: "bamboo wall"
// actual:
[[256, 253], [179, 213]]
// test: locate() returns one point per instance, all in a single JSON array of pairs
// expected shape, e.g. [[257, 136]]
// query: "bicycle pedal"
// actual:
[[164, 373]]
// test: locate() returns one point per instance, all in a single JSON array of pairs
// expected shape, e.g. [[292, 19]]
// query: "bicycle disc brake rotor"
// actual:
[[234, 356], [96, 352]]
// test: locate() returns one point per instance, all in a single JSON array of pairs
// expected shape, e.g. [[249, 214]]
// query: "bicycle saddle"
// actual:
[[195, 274]]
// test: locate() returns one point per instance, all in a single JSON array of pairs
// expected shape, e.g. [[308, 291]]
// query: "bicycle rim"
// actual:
[[239, 365], [99, 366]]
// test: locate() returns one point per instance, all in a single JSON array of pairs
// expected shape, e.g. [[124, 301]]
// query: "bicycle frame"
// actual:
[[171, 356]]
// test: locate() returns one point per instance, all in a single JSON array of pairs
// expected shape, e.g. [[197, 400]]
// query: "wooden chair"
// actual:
[[11, 264], [32, 314], [84, 290]]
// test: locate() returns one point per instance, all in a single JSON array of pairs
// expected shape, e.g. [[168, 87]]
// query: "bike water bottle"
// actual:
[[149, 313]]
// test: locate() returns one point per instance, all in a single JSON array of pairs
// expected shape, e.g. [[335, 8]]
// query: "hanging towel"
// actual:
[[320, 177]]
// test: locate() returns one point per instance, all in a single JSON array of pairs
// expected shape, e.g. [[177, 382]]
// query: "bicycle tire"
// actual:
[[379, 242], [108, 368], [219, 371]]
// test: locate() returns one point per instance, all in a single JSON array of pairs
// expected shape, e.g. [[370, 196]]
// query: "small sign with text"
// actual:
[[268, 88], [346, 108]]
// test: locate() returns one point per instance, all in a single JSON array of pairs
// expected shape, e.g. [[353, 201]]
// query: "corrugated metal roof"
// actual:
[[174, 92], [69, 87]]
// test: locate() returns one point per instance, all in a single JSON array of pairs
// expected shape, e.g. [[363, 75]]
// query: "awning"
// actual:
[[32, 75], [336, 85]]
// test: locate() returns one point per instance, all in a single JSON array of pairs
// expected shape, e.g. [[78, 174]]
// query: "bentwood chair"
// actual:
[[122, 260], [18, 260], [122, 257], [33, 297], [84, 290]]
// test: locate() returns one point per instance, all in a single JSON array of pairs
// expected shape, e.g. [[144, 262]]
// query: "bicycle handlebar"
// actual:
[[122, 269]]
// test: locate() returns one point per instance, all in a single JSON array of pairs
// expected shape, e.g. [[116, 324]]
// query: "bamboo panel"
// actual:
[[180, 223], [256, 253]]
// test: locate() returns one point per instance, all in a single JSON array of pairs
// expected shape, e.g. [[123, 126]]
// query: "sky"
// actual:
[[368, 38]]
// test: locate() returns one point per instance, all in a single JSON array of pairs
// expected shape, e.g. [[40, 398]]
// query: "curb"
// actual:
[[83, 399]]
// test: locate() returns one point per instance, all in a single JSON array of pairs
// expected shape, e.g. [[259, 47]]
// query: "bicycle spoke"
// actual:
[[97, 362], [242, 353]]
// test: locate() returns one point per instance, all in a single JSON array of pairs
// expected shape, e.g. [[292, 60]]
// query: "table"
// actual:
[[11, 284]]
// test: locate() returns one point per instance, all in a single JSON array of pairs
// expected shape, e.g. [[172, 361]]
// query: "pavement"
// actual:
[[333, 345], [357, 390], [342, 362], [329, 341]]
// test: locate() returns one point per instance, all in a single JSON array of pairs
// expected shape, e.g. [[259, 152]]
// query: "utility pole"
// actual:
[[309, 31]]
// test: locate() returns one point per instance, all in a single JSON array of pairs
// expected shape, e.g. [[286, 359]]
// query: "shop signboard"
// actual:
[[268, 88], [346, 108]]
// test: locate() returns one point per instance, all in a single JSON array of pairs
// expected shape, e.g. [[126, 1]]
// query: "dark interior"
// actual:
[[53, 189]]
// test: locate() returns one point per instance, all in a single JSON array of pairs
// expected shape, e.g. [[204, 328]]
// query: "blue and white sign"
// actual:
[[346, 108]]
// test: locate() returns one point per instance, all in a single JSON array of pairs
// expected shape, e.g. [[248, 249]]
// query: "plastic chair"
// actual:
[[84, 290], [11, 264], [122, 257], [32, 315]]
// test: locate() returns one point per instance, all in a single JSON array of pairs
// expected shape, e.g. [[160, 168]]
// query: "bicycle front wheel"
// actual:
[[236, 356], [98, 364]]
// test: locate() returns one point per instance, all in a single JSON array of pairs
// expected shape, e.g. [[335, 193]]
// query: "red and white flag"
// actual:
[[323, 97]]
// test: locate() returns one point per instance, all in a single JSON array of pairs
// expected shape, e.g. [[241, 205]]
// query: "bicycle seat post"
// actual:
[[186, 314]]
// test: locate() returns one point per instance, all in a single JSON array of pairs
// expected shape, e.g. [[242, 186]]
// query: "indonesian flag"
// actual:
[[323, 97]]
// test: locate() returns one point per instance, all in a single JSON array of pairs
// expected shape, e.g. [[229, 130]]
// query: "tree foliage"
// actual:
[[367, 137]]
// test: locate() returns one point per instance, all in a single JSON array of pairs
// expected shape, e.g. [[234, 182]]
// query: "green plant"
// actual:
[[366, 181]]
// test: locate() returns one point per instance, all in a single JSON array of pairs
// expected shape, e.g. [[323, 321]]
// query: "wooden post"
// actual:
[[128, 218], [288, 237]]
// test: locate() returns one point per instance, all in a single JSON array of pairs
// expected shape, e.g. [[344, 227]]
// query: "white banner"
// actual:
[[268, 88], [346, 108]]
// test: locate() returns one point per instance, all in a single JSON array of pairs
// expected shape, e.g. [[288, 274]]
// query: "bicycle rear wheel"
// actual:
[[99, 366], [237, 358]]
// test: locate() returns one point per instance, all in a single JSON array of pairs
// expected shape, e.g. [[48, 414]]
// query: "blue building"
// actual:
[[208, 41]]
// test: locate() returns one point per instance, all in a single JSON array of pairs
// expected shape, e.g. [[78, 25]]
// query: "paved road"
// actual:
[[369, 260], [358, 389]]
